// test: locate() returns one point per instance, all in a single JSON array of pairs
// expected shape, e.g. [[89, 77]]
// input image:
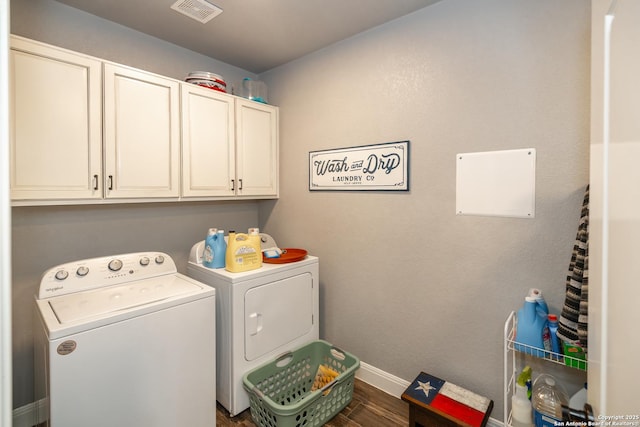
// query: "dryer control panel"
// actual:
[[92, 273]]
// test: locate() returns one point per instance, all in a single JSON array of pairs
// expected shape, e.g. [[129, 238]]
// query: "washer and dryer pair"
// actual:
[[126, 340]]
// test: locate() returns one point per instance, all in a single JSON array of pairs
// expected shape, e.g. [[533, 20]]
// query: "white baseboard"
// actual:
[[382, 380], [30, 414], [393, 385]]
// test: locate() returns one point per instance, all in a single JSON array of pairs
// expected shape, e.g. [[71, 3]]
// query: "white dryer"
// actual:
[[260, 314], [125, 341]]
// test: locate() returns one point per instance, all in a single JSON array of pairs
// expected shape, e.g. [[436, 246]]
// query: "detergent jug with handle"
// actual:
[[532, 328], [209, 243], [243, 253], [537, 294], [215, 249], [219, 250], [254, 234]]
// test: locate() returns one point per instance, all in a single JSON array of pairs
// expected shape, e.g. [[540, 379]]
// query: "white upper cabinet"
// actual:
[[256, 149], [55, 123], [208, 135], [229, 145], [84, 130], [141, 134]]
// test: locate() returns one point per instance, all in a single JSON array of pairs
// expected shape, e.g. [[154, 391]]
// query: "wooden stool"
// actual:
[[434, 402]]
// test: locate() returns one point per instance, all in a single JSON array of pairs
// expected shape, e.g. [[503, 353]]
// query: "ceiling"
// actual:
[[255, 35]]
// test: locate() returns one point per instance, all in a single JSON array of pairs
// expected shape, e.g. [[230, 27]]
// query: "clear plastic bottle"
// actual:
[[254, 90], [521, 407], [547, 399]]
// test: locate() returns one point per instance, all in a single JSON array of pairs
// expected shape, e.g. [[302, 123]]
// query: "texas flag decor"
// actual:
[[448, 400]]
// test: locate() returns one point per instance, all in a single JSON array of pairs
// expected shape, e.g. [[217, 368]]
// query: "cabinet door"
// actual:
[[256, 149], [55, 123], [142, 134], [208, 138]]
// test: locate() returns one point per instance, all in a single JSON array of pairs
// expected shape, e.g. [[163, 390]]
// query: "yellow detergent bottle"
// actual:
[[243, 253], [254, 235]]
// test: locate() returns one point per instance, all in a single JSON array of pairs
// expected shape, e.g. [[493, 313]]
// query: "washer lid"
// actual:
[[83, 305]]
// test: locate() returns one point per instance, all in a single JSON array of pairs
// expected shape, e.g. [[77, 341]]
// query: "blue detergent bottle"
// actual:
[[553, 332], [537, 294], [209, 243], [532, 328], [219, 250]]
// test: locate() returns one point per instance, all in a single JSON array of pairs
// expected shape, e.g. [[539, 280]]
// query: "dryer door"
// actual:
[[277, 313]]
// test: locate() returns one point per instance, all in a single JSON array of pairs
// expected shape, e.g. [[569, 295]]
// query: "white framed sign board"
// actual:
[[496, 183]]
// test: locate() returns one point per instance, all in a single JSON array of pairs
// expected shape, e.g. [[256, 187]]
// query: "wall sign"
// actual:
[[496, 183], [368, 167]]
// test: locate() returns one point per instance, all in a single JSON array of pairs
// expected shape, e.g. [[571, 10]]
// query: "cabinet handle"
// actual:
[[233, 185], [95, 182], [240, 182], [110, 182]]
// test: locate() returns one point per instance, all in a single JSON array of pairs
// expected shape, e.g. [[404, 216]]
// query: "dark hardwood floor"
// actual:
[[369, 407]]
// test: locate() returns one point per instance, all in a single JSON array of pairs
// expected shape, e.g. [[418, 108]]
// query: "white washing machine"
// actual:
[[126, 341], [260, 314]]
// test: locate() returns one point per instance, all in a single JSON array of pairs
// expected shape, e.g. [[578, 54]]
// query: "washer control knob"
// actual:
[[61, 274], [159, 259], [82, 271], [115, 265], [144, 261]]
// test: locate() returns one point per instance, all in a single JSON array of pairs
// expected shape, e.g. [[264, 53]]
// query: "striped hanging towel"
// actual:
[[572, 326]]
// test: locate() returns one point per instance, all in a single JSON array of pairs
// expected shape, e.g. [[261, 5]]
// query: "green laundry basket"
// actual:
[[282, 392]]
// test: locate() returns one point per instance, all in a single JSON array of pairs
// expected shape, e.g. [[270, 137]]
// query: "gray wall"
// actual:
[[46, 236], [405, 283]]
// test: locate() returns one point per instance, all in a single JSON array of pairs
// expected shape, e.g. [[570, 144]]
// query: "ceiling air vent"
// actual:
[[200, 10]]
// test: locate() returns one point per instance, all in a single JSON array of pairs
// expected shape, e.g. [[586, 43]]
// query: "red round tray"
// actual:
[[287, 255]]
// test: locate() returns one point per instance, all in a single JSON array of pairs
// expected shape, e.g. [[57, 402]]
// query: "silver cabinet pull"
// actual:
[[95, 182], [110, 182], [233, 185], [240, 181]]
